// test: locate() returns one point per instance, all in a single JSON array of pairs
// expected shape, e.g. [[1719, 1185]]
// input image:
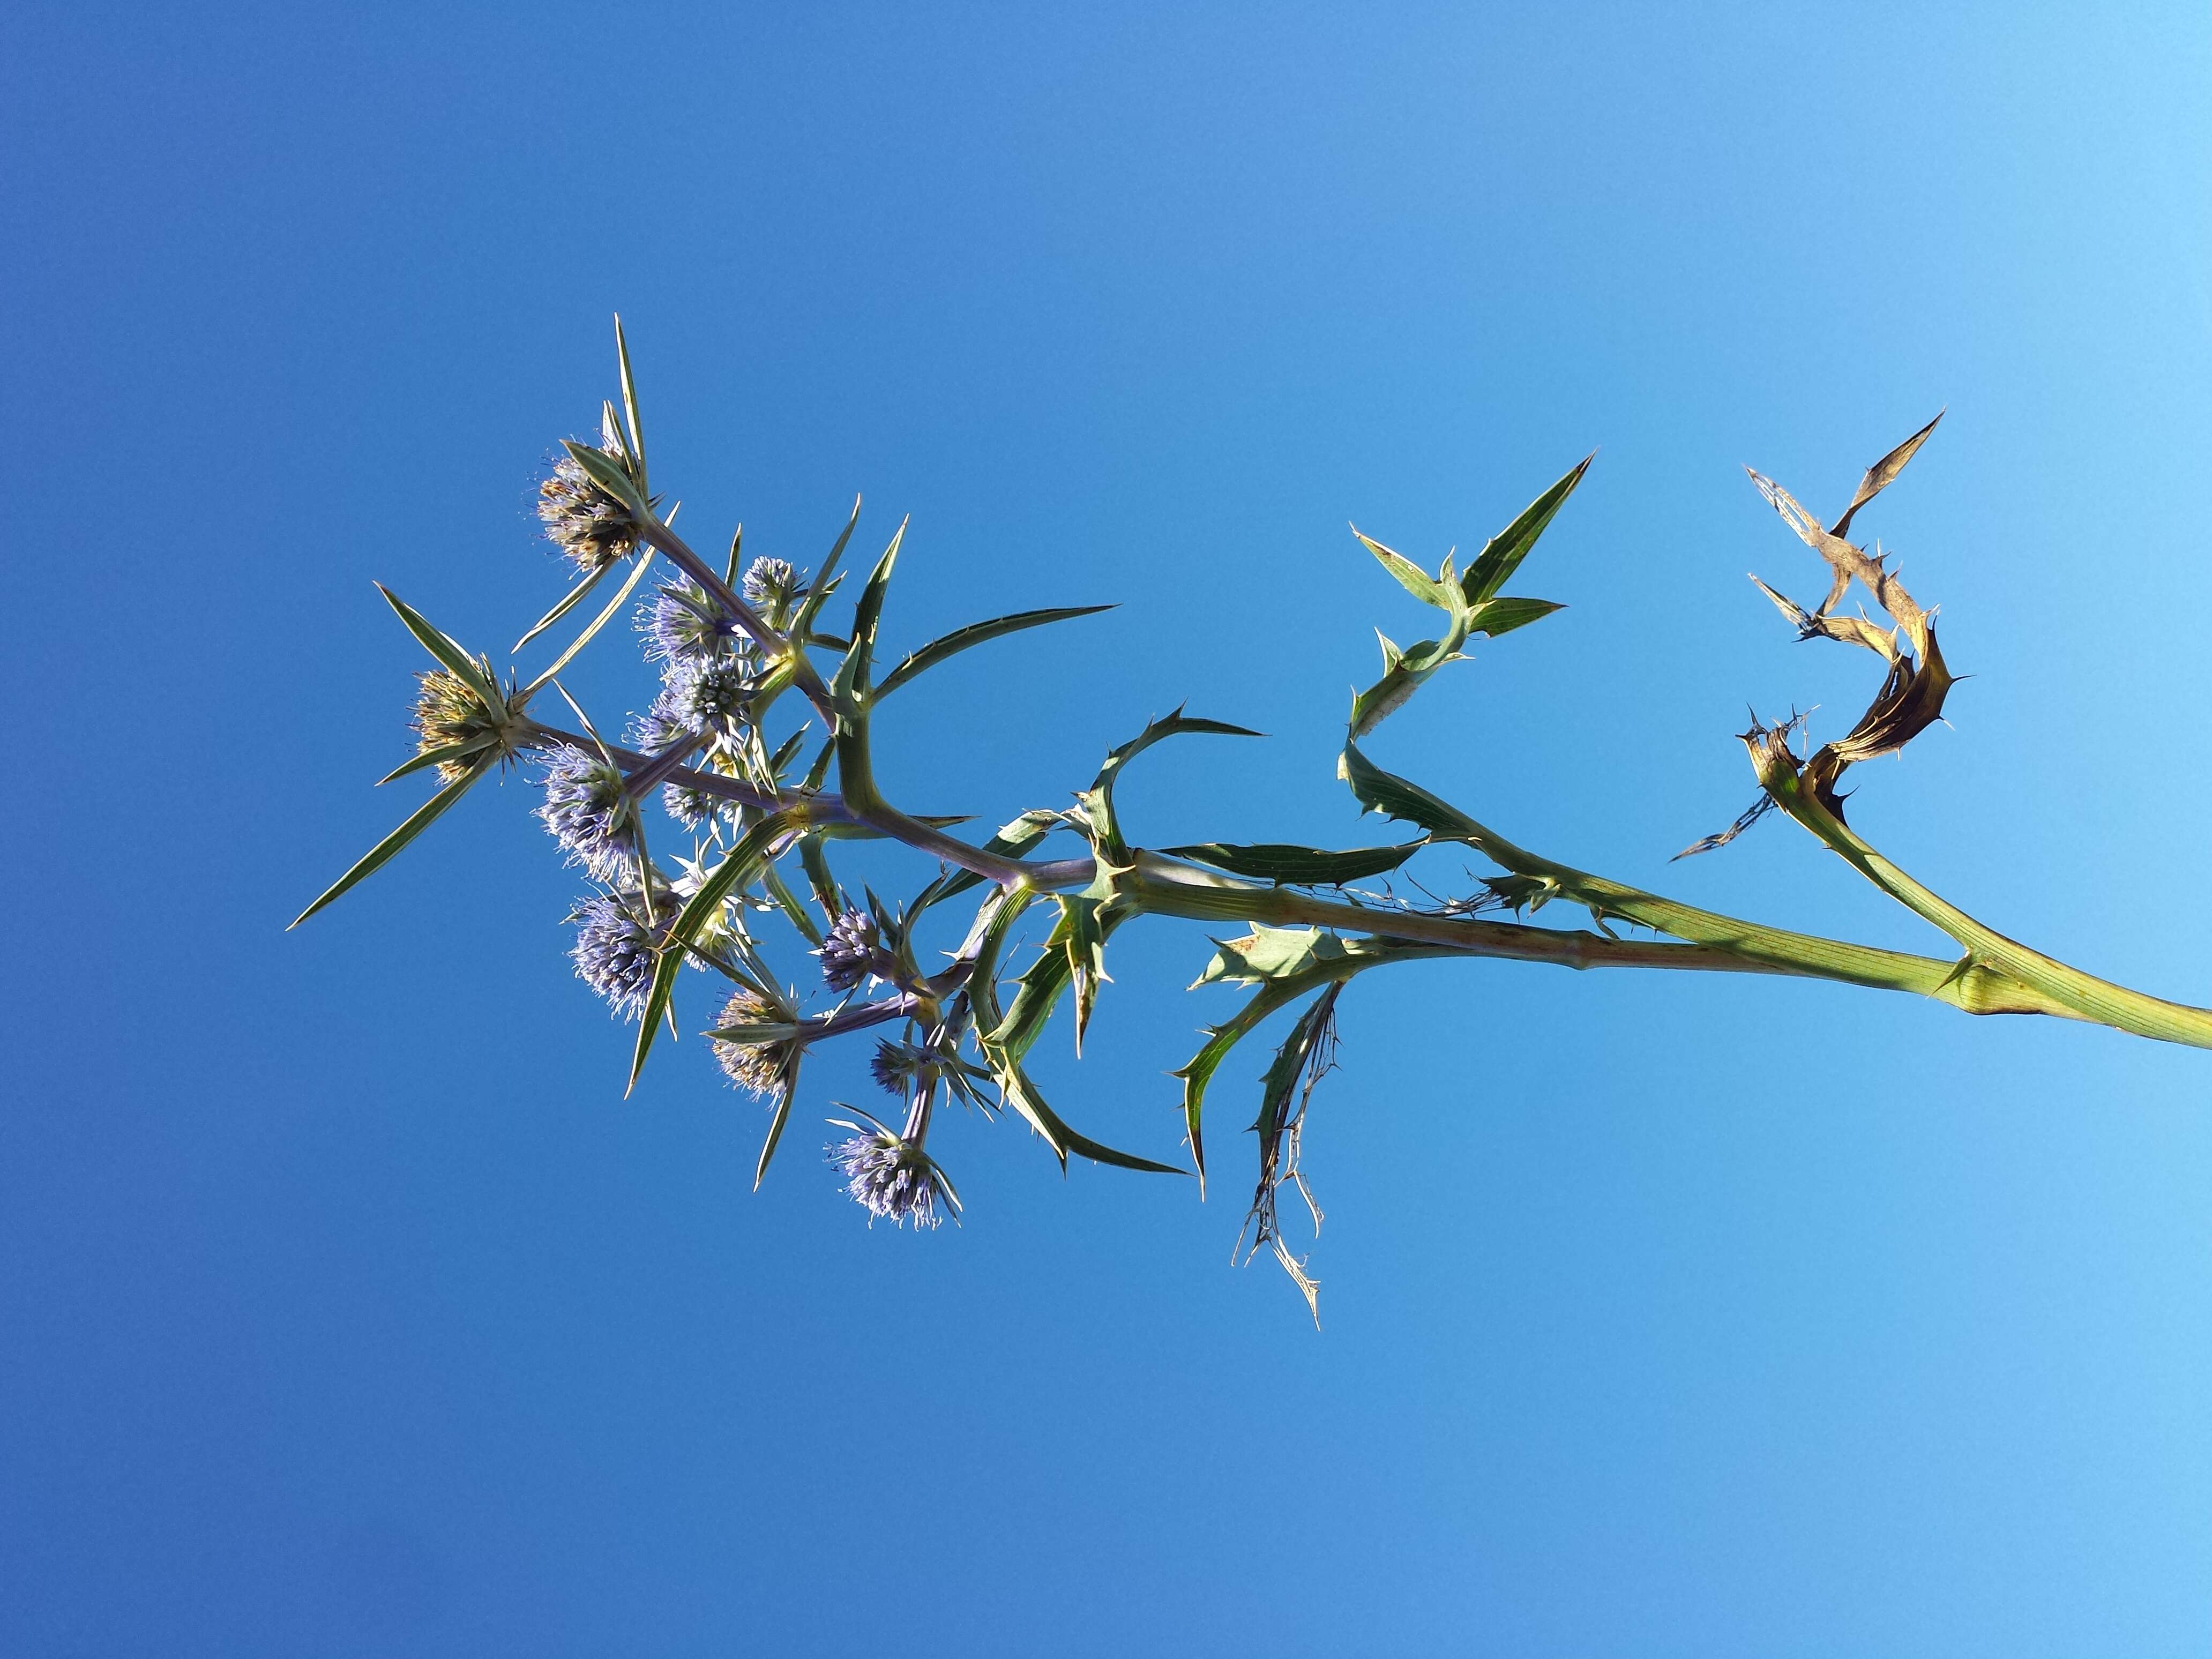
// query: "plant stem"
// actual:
[[2083, 995]]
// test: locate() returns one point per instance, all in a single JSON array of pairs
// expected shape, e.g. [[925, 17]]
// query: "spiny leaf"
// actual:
[[1298, 866], [1098, 801], [379, 855], [1267, 954], [1502, 615], [922, 662], [851, 680], [569, 601], [1499, 560], [444, 648], [598, 622], [1410, 576], [1378, 791]]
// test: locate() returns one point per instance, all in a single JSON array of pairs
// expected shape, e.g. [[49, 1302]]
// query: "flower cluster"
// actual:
[[891, 1176], [849, 954], [772, 586], [448, 715], [616, 949], [589, 526], [759, 1062], [590, 812], [685, 623]]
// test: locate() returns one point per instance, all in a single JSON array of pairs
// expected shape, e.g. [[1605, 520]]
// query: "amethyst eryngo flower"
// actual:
[[449, 714], [772, 587], [590, 812], [763, 1067], [615, 949], [849, 954], [687, 624], [891, 1176], [710, 694], [585, 522], [896, 1066]]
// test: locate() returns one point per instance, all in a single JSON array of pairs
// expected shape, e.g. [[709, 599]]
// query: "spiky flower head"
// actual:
[[685, 623], [589, 526], [772, 587], [616, 949], [590, 812], [762, 1066], [849, 954], [896, 1066], [708, 695], [891, 1176], [449, 713]]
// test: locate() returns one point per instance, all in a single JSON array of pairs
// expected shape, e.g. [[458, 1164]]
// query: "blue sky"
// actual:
[[351, 1308]]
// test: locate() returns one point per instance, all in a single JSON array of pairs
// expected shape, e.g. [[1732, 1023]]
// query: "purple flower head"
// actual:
[[591, 813], [686, 624], [891, 1176], [897, 1065], [849, 954], [615, 950], [713, 694], [688, 806], [773, 587], [586, 523]]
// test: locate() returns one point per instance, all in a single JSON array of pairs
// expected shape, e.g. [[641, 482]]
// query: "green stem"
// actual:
[[2083, 995], [1732, 946]]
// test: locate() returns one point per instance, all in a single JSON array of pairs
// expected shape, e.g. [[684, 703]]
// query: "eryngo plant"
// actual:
[[743, 654]]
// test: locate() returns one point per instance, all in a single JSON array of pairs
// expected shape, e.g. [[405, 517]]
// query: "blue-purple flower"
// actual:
[[685, 623], [891, 1176], [615, 949], [591, 813], [772, 586], [849, 954]]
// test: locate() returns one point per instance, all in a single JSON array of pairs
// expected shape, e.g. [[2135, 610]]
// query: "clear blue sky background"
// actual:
[[348, 1308]]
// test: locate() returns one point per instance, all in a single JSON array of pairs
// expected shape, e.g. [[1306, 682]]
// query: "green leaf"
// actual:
[[783, 1099], [1098, 801], [1502, 556], [1298, 866], [379, 855], [1502, 616], [445, 649], [599, 622], [814, 861], [605, 472], [1269, 954], [433, 757], [1022, 1095], [1410, 576], [787, 902], [630, 404], [818, 594], [919, 662], [1085, 946], [1404, 672], [738, 868], [1220, 1039], [1378, 791], [569, 601], [852, 681], [1290, 1064]]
